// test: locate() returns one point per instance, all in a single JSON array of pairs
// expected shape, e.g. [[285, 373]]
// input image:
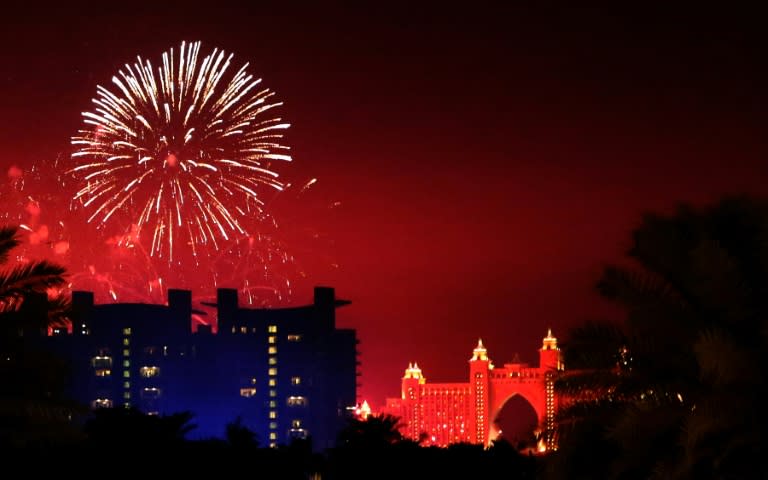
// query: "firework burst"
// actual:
[[181, 153]]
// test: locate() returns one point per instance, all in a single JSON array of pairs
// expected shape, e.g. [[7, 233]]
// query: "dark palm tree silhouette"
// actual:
[[239, 436], [130, 428], [28, 283], [373, 432], [19, 281], [32, 406], [676, 390]]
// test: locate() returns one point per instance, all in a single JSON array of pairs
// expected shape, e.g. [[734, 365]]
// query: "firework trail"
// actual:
[[25, 202], [181, 153]]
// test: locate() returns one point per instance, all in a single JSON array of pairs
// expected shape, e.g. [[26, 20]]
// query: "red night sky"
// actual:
[[487, 162]]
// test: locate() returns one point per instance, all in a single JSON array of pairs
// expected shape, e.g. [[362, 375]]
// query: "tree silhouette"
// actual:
[[373, 432], [676, 390], [130, 428], [24, 280], [240, 436], [32, 381]]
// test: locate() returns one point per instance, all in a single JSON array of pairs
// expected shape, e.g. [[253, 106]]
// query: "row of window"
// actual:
[[292, 401], [248, 392], [294, 433], [149, 393], [103, 367], [270, 329], [295, 381], [149, 350]]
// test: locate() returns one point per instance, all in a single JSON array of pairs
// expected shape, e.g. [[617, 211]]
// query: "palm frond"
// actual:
[[724, 362], [594, 383], [593, 345], [59, 311], [721, 430], [8, 241], [647, 436], [661, 243], [719, 287], [32, 276], [652, 303], [760, 287]]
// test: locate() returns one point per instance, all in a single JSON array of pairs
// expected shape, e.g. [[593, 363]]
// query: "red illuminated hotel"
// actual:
[[445, 413]]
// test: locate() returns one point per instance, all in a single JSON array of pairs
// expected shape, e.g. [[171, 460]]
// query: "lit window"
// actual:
[[243, 329], [233, 329], [273, 393], [127, 331], [101, 362], [126, 353], [272, 372], [272, 382], [149, 372], [272, 360], [253, 381], [126, 384], [150, 393], [297, 401], [126, 374], [294, 338], [101, 403], [272, 404], [272, 436], [247, 392], [273, 414], [126, 363], [126, 341], [272, 350], [127, 395], [295, 380], [272, 339], [295, 423], [103, 372], [272, 425], [272, 329]]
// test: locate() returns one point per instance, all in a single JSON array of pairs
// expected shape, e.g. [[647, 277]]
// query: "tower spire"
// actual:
[[413, 371], [480, 352], [549, 342]]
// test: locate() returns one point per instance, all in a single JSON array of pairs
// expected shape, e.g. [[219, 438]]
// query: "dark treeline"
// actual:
[[133, 443]]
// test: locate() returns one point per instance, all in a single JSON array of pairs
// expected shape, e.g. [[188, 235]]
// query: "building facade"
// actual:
[[286, 373], [446, 413]]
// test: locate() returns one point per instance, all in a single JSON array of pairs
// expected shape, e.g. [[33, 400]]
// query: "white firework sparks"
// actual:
[[179, 152]]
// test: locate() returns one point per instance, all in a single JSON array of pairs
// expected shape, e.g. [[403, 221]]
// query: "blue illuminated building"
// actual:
[[285, 373]]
